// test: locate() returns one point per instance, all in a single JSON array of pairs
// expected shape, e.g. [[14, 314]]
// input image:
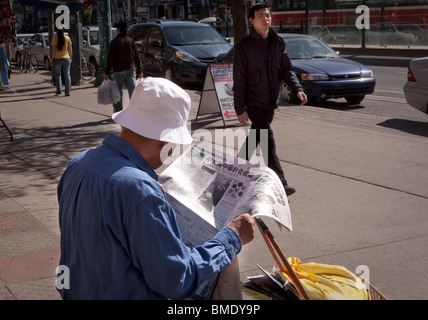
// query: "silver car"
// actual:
[[416, 88], [388, 34], [91, 44], [39, 45]]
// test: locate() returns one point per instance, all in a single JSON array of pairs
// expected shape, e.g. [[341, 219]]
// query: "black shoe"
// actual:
[[67, 94], [289, 190], [58, 92]]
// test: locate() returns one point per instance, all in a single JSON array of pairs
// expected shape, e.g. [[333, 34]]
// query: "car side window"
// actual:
[[94, 37], [144, 35], [38, 39], [140, 34], [156, 35]]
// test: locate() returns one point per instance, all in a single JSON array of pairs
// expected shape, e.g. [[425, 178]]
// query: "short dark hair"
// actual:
[[255, 7], [122, 26]]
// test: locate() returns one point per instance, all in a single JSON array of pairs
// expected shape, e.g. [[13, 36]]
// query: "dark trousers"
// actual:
[[260, 121]]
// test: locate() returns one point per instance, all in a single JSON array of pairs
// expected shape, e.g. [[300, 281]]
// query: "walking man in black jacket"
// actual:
[[124, 59], [260, 64]]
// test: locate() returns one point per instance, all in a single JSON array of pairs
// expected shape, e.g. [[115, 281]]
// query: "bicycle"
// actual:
[[88, 70], [29, 61]]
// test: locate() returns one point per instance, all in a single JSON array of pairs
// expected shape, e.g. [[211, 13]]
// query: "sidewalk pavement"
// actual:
[[361, 180]]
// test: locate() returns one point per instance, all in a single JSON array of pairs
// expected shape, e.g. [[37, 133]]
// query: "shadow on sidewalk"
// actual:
[[409, 126], [48, 149]]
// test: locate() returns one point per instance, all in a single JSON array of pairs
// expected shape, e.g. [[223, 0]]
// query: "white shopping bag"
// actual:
[[108, 92]]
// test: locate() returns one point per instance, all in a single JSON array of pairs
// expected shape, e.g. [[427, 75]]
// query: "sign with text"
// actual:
[[217, 95], [222, 75]]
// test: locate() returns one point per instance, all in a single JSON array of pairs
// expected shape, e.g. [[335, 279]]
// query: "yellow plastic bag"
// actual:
[[328, 282]]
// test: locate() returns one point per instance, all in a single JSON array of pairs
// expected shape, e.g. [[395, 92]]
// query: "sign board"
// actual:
[[217, 95]]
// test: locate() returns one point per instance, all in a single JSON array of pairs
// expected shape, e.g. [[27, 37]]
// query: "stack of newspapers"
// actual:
[[273, 285]]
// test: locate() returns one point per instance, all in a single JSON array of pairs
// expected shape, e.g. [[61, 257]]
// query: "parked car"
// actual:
[[178, 50], [323, 74], [336, 34], [15, 49], [420, 36], [416, 87], [388, 34], [91, 44], [40, 46]]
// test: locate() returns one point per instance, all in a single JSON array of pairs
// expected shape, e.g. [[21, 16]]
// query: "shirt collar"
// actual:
[[128, 151]]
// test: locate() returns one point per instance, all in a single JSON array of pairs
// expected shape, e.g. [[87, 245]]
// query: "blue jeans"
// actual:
[[123, 78], [62, 66]]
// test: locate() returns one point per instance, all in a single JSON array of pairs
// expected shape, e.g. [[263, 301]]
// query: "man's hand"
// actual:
[[302, 97], [243, 119], [244, 227]]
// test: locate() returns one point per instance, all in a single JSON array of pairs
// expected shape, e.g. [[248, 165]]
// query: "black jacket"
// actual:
[[123, 55], [258, 69]]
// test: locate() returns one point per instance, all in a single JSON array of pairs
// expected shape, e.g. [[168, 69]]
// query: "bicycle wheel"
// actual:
[[88, 70], [33, 65]]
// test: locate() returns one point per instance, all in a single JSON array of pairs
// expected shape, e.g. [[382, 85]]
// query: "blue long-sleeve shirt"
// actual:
[[119, 236]]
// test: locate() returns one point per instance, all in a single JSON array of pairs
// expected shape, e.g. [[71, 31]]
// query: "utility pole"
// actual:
[[104, 24], [133, 13], [75, 34]]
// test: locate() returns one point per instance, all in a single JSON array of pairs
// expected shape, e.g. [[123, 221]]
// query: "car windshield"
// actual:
[[308, 48], [94, 37], [22, 39], [192, 35]]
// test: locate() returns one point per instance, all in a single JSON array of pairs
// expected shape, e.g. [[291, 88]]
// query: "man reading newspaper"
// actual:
[[119, 235]]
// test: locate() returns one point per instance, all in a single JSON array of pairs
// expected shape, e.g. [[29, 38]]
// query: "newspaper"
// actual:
[[209, 188], [273, 285]]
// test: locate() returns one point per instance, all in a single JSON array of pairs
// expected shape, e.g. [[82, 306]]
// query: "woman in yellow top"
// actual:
[[61, 56]]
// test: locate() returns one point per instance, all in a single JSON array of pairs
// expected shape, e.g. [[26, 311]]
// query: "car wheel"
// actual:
[[47, 64], [354, 99], [286, 95]]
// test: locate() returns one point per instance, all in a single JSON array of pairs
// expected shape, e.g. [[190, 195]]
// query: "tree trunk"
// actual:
[[240, 21]]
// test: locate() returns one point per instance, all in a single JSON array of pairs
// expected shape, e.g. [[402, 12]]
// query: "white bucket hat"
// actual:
[[158, 109]]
